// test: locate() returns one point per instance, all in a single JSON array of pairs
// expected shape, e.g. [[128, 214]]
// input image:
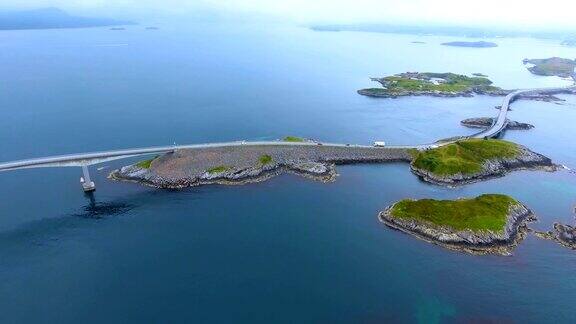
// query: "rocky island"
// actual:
[[432, 84], [249, 163], [480, 44], [554, 66], [472, 160], [448, 85], [564, 235], [485, 122], [487, 224]]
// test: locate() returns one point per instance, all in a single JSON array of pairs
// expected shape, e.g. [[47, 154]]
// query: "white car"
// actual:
[[379, 144]]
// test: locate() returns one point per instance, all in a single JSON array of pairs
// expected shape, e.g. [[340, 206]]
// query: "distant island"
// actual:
[[554, 66], [445, 85], [446, 30], [431, 84], [479, 44], [49, 18], [487, 224]]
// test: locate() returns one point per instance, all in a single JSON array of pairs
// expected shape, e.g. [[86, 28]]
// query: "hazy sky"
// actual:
[[514, 13]]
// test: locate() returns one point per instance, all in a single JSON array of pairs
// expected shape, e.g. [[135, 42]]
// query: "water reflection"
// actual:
[[98, 210], [43, 231]]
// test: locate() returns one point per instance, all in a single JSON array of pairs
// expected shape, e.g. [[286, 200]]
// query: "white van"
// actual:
[[379, 144]]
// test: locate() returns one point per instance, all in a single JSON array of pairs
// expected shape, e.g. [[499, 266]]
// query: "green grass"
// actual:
[[265, 159], [219, 169], [293, 139], [483, 213], [146, 163], [466, 157]]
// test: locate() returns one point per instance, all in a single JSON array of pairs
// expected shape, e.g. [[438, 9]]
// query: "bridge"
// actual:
[[84, 160], [499, 125]]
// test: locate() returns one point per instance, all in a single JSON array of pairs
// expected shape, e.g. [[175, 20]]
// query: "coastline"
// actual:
[[476, 243], [188, 168], [495, 168]]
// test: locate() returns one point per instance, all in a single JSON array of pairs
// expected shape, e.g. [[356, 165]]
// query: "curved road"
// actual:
[[85, 159], [501, 121]]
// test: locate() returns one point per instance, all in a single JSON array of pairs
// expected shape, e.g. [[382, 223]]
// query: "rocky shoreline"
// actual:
[[324, 172], [377, 93], [525, 160], [478, 243], [241, 165], [469, 91], [485, 122], [564, 235]]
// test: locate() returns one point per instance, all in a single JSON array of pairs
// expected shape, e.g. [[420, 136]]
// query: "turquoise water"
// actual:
[[286, 250]]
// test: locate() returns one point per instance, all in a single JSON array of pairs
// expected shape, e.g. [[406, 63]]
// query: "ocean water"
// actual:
[[285, 250]]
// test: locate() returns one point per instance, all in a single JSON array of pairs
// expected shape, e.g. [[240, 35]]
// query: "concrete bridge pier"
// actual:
[[87, 184]]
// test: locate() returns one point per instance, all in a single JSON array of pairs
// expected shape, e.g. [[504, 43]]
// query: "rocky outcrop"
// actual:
[[325, 172], [470, 92], [564, 235], [242, 164], [474, 242], [546, 95], [525, 160], [486, 122]]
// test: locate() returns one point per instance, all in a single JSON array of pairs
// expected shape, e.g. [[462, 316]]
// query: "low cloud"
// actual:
[[512, 13]]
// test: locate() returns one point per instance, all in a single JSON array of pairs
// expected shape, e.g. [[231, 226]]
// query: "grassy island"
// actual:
[[487, 212], [554, 66], [464, 157], [439, 84]]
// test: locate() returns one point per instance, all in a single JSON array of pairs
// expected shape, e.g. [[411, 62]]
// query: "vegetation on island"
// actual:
[[146, 163], [480, 44], [554, 66], [265, 159], [463, 157], [422, 83], [293, 139], [487, 212], [219, 169]]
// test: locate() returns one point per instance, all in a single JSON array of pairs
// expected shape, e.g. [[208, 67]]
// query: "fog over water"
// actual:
[[514, 14]]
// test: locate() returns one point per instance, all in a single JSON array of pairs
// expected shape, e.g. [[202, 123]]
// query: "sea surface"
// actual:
[[289, 250]]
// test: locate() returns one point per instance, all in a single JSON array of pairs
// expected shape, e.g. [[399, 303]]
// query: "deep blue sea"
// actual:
[[288, 250]]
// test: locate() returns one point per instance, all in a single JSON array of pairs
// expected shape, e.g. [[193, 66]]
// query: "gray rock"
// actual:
[[526, 160], [564, 235], [486, 122], [186, 168], [474, 242]]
